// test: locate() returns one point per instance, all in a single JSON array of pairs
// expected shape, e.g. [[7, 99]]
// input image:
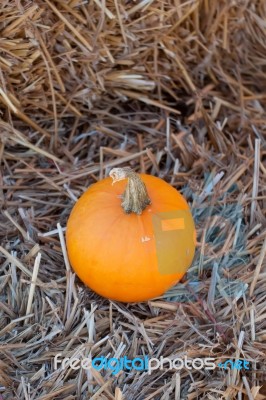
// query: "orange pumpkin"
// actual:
[[132, 251]]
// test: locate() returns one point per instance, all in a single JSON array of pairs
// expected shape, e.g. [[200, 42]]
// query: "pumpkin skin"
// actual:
[[116, 254]]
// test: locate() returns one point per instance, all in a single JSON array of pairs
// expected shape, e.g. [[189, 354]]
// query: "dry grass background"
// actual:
[[173, 88]]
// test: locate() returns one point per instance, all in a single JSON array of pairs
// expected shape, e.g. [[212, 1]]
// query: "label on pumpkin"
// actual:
[[174, 233]]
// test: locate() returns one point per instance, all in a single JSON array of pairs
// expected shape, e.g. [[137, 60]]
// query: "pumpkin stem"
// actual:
[[135, 197]]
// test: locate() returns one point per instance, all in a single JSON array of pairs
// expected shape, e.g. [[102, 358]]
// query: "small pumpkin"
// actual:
[[130, 237]]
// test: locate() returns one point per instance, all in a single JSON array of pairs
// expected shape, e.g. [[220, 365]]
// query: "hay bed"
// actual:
[[175, 89]]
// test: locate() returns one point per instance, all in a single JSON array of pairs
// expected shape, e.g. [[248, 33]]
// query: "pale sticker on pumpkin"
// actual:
[[174, 239]]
